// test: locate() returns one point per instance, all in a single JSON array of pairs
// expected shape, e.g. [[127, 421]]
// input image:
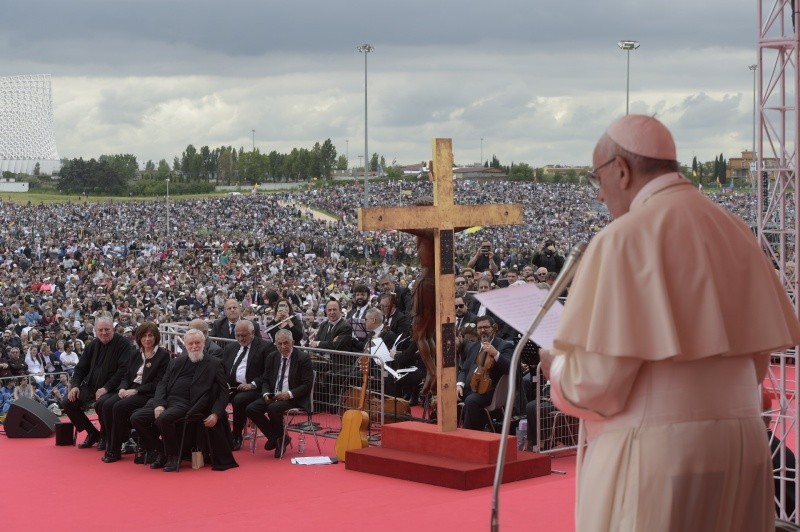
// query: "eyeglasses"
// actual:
[[461, 282], [592, 176], [462, 305]]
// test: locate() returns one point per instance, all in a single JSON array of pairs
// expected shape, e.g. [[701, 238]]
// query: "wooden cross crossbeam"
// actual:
[[443, 219]]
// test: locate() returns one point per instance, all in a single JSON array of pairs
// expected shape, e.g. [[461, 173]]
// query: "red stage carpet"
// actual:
[[53, 486]]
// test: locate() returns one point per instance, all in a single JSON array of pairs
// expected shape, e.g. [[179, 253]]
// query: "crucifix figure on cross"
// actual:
[[433, 320]]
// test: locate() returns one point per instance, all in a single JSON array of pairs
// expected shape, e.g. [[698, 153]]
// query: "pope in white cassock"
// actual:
[[665, 338]]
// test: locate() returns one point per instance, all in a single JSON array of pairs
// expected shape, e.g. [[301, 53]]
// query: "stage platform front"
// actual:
[[461, 459]]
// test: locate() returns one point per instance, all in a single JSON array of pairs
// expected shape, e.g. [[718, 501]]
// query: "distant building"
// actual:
[[478, 172], [27, 135], [558, 169], [739, 167]]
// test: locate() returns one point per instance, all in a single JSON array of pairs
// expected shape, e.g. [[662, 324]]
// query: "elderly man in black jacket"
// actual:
[[192, 384], [286, 383], [97, 377], [244, 365]]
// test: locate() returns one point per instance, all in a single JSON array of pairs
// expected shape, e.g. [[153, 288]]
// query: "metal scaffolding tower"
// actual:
[[777, 215]]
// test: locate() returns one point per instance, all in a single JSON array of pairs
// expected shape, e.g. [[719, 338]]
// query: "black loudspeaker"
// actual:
[[28, 419]]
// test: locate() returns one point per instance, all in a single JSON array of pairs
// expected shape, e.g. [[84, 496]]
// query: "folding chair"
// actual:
[[292, 413], [498, 400]]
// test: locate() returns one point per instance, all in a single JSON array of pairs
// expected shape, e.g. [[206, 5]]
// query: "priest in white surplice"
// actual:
[[665, 337]]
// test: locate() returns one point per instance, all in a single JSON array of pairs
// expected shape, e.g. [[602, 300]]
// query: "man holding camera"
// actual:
[[548, 257], [484, 259]]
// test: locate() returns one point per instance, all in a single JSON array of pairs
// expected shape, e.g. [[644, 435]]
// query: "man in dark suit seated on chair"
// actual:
[[501, 351], [193, 382], [287, 383], [244, 366], [336, 334], [212, 348], [97, 377], [225, 327]]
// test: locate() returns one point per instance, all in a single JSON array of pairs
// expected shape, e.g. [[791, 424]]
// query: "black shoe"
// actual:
[[158, 462], [271, 444], [91, 439], [171, 465], [101, 445], [147, 457], [287, 441], [140, 458], [110, 458], [237, 443]]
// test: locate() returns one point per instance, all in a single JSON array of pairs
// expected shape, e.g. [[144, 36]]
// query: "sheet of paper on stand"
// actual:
[[380, 349], [518, 306], [400, 373]]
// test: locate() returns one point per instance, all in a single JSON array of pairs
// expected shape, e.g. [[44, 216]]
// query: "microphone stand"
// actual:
[[561, 282]]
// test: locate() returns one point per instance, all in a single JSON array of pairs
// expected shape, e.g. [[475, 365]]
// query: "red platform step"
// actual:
[[461, 459]]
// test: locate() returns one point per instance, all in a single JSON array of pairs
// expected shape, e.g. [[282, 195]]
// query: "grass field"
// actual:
[[53, 197]]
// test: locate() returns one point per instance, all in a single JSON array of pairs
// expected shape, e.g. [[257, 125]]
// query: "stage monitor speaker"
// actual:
[[28, 419]]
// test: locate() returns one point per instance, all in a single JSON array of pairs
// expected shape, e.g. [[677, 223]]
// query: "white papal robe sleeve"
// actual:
[[591, 386]]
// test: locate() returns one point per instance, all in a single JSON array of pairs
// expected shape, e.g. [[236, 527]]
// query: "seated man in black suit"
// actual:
[[193, 383], [387, 285], [97, 377], [395, 320], [501, 351], [287, 382], [336, 334], [211, 348], [225, 327], [463, 315], [360, 302], [244, 366]]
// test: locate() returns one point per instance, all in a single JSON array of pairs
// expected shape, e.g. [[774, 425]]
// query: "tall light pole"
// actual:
[[167, 211], [254, 140], [754, 68], [347, 156], [628, 46], [481, 151], [366, 49]]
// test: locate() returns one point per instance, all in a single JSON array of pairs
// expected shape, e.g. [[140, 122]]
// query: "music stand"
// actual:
[[359, 328]]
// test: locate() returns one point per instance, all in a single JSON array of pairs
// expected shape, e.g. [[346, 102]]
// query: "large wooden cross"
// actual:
[[443, 218]]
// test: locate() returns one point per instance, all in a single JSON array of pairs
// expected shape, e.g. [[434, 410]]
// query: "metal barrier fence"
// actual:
[[555, 430], [340, 378]]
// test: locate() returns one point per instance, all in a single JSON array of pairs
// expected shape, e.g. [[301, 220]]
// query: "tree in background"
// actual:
[[98, 177], [125, 165], [520, 172]]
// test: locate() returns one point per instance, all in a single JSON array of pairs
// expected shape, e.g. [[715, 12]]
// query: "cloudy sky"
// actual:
[[537, 80]]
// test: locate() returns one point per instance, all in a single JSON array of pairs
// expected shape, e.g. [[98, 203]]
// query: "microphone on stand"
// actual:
[[561, 282]]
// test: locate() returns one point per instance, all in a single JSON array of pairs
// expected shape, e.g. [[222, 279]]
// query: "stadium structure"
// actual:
[[27, 135]]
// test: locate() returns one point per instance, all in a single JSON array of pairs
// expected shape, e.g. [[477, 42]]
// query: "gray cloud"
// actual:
[[537, 80]]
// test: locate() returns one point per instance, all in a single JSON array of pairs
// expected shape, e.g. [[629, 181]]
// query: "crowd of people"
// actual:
[[272, 256]]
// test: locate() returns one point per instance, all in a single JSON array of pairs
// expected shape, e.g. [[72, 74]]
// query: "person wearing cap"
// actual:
[[661, 359]]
